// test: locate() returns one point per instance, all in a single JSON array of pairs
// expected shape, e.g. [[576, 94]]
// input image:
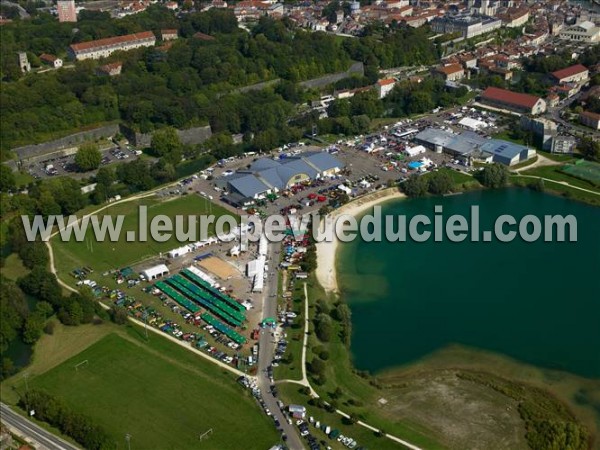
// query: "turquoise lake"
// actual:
[[538, 303]]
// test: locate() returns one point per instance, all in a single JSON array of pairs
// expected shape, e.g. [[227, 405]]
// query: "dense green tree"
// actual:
[[415, 186], [13, 312], [166, 143], [88, 157], [7, 179], [34, 254], [440, 183], [590, 149], [33, 328], [493, 175]]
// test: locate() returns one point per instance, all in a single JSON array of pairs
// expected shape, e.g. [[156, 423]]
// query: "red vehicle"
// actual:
[[321, 198], [312, 196]]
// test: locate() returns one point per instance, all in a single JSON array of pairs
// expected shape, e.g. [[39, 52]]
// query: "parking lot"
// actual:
[[57, 165]]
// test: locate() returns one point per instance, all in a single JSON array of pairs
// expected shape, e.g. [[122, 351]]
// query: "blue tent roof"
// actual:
[[249, 186]]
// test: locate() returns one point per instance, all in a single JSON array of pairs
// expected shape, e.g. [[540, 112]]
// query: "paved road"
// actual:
[[24, 427], [265, 356]]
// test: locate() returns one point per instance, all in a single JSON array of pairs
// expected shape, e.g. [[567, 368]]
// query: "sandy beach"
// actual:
[[326, 251]]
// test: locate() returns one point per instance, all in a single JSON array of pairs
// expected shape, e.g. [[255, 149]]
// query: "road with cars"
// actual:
[[266, 344], [41, 438]]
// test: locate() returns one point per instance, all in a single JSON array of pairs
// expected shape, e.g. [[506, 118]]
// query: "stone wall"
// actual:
[[66, 145], [355, 69], [191, 136]]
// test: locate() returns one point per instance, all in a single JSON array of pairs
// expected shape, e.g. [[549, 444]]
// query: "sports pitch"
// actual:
[[585, 170], [160, 394], [108, 255]]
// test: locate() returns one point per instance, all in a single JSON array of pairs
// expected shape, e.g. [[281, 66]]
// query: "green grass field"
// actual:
[[113, 255], [160, 394], [585, 170], [556, 173]]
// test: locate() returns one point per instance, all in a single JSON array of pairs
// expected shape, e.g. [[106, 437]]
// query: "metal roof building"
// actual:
[[507, 153], [469, 145], [267, 175]]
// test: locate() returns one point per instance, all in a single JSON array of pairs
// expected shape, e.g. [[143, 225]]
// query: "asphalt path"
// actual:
[[25, 428]]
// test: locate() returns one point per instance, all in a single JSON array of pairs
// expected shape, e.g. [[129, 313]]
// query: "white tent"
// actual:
[[155, 272], [210, 280], [472, 124], [414, 151]]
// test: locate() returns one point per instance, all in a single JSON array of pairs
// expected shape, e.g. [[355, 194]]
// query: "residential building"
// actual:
[[590, 119], [110, 70], [515, 17], [468, 26], [102, 48], [168, 35], [573, 74], [66, 11], [563, 144], [586, 32], [545, 129], [51, 60], [552, 99], [451, 72], [514, 101], [385, 86]]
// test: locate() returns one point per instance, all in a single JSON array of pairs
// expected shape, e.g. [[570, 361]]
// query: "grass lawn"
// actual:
[[13, 267], [295, 334], [112, 255], [162, 395], [291, 393], [555, 173], [558, 189], [461, 181]]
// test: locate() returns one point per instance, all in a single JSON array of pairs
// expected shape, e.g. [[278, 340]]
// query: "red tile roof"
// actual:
[[591, 115], [509, 97], [569, 71], [204, 37], [450, 69], [386, 82], [48, 58], [112, 41]]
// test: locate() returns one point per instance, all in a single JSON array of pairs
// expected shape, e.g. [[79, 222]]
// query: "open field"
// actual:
[[158, 383], [218, 267], [585, 170], [13, 267], [556, 173], [113, 255]]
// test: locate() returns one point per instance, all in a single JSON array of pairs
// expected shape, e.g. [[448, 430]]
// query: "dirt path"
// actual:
[[540, 162], [313, 393]]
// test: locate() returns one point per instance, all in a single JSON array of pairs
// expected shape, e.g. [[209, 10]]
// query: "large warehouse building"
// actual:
[[266, 176], [514, 101], [469, 146]]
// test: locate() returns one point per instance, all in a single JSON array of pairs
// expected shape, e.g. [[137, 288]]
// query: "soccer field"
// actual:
[[115, 255], [160, 394]]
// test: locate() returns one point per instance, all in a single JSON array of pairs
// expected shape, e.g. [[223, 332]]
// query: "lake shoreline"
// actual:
[[327, 251]]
